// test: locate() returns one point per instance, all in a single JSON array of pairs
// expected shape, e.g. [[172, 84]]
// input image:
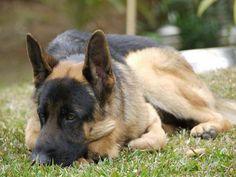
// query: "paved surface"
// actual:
[[204, 60]]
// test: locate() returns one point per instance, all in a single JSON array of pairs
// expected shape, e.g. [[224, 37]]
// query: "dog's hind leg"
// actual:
[[210, 123], [194, 111], [177, 90], [155, 137], [205, 121]]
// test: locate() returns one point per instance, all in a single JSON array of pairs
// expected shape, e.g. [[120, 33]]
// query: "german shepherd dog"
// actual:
[[96, 93]]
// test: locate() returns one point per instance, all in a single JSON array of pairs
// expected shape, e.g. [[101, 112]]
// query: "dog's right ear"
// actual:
[[42, 63], [98, 66]]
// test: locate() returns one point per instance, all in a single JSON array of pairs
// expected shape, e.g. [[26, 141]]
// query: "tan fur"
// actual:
[[155, 137], [130, 124], [32, 131], [95, 130], [103, 143], [192, 97], [68, 69], [171, 85], [169, 129]]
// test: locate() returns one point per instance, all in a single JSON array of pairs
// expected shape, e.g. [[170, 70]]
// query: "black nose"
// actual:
[[41, 158]]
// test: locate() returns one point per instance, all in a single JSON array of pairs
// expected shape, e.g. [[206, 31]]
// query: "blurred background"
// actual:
[[172, 22]]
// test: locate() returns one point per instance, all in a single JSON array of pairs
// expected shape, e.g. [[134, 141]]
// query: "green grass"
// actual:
[[218, 160]]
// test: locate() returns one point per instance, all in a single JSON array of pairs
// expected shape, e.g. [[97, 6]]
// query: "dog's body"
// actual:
[[94, 102]]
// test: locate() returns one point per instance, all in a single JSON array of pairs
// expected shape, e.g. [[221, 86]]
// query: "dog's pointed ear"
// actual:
[[42, 63], [97, 66]]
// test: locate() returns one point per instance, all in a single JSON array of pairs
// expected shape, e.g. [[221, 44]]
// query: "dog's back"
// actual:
[[74, 42]]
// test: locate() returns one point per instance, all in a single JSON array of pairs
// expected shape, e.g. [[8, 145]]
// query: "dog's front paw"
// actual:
[[83, 161], [103, 149], [148, 142], [204, 131]]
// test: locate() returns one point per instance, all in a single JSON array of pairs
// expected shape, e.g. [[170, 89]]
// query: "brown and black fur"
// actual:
[[96, 93]]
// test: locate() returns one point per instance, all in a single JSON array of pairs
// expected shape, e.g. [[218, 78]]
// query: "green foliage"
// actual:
[[196, 32], [205, 4], [234, 7], [84, 11]]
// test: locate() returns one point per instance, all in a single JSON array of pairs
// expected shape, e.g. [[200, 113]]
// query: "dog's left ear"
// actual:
[[97, 66], [42, 63]]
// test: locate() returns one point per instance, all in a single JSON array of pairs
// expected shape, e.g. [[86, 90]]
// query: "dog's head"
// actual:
[[70, 96]]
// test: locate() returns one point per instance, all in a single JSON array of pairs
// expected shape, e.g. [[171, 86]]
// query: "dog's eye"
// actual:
[[70, 117]]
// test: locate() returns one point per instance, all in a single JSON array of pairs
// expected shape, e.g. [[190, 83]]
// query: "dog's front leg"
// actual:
[[105, 147], [98, 130], [155, 137], [31, 132], [102, 138]]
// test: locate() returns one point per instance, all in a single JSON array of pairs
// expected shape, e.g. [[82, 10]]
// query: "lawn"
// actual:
[[219, 158]]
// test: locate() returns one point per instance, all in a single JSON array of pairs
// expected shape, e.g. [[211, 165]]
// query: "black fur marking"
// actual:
[[168, 118], [63, 106], [73, 42], [68, 91]]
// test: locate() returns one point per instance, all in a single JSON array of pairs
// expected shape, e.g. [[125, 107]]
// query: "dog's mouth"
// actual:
[[58, 156], [42, 159]]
